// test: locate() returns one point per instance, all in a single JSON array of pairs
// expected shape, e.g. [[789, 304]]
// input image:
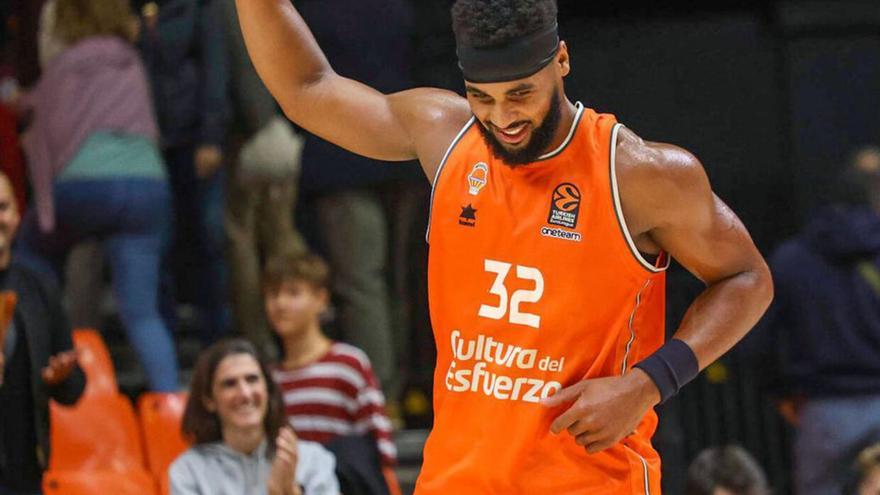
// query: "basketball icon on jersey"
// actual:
[[565, 206], [477, 178]]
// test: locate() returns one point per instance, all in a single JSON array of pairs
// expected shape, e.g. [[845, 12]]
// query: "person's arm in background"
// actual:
[[63, 376], [214, 94], [254, 103], [50, 44], [282, 474]]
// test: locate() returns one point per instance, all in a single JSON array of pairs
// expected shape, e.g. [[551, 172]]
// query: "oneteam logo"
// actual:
[[563, 234]]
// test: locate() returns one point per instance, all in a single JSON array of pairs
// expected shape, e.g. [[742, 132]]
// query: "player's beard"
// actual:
[[539, 141]]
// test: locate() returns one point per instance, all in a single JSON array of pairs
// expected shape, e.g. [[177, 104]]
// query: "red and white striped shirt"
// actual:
[[337, 395]]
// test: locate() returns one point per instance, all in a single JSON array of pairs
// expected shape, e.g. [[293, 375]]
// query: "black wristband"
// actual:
[[671, 367]]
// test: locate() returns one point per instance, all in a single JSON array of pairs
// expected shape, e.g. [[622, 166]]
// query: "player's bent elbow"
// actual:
[[763, 286]]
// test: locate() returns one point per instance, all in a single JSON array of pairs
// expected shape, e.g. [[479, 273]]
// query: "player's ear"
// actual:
[[562, 59]]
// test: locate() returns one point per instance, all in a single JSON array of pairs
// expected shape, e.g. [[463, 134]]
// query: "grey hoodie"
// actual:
[[215, 469]]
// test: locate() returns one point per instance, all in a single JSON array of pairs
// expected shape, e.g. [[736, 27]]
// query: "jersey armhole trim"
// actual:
[[446, 156], [618, 210]]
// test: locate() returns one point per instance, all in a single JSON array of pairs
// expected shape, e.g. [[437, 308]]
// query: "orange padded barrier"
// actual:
[[161, 415], [98, 482], [99, 433], [94, 359]]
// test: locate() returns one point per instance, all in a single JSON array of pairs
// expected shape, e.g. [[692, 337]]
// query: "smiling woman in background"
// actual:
[[235, 418]]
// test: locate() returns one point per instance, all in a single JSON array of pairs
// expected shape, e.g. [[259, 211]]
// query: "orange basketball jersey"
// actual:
[[534, 285]]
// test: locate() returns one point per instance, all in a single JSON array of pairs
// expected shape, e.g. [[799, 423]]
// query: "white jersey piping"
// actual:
[[454, 142], [632, 330], [618, 209], [644, 469]]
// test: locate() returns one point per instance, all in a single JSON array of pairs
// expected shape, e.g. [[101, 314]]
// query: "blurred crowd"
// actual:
[[139, 141], [136, 139]]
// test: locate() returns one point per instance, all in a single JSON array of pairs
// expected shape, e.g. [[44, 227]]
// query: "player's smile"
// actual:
[[513, 135]]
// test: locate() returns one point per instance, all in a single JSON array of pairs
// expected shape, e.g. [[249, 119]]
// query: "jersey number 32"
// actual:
[[501, 269]]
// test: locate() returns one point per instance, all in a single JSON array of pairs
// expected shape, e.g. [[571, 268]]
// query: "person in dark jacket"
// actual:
[[183, 47], [37, 363], [822, 333], [345, 187], [259, 202]]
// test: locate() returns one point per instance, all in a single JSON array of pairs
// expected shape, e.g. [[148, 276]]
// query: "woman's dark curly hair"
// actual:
[[481, 23]]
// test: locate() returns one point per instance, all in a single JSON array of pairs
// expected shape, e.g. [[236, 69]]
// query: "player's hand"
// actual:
[[8, 300], [59, 368], [603, 410], [282, 474], [208, 159]]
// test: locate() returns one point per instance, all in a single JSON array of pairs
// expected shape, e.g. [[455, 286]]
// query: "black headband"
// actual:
[[514, 60]]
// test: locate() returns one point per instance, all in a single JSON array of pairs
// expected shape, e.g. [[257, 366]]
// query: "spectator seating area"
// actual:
[[105, 445]]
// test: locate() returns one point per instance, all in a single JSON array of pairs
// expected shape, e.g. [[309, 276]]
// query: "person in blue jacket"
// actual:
[[821, 337]]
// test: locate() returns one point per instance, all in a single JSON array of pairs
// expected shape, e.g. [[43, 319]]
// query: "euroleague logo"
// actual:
[[566, 197], [565, 206]]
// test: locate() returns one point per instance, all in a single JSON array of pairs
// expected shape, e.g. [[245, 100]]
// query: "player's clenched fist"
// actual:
[[602, 411]]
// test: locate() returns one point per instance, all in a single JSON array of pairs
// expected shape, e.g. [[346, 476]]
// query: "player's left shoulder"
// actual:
[[657, 181], [654, 165]]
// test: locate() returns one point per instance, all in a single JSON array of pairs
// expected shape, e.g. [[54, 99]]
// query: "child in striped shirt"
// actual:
[[328, 387]]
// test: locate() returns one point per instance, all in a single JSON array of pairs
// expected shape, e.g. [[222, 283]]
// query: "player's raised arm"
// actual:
[[340, 110]]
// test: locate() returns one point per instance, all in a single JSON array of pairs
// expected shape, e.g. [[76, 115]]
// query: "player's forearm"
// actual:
[[725, 312], [283, 50]]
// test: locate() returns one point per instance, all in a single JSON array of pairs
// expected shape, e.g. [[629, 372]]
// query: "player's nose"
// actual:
[[503, 115]]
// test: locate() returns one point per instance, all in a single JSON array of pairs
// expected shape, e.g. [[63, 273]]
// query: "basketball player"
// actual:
[[550, 229]]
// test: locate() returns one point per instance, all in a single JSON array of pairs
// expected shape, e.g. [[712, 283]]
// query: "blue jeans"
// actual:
[[832, 432], [132, 219]]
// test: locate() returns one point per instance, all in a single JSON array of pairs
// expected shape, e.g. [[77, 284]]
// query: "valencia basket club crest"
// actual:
[[565, 206], [477, 178]]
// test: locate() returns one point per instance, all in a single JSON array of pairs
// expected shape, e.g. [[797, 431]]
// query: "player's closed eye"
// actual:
[[480, 96]]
